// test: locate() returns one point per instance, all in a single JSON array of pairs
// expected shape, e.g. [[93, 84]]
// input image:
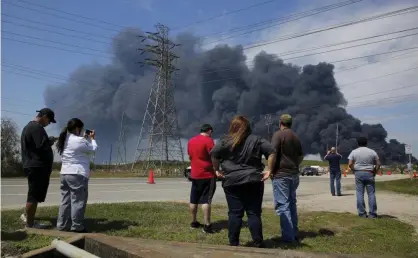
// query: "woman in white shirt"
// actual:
[[75, 151]]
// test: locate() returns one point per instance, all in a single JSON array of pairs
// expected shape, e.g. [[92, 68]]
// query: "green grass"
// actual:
[[320, 231], [404, 186], [17, 243]]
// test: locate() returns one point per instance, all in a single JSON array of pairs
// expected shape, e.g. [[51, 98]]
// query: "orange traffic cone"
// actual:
[[389, 173], [345, 173], [151, 177], [415, 174]]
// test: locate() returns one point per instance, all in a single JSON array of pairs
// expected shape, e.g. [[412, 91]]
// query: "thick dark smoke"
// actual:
[[211, 87]]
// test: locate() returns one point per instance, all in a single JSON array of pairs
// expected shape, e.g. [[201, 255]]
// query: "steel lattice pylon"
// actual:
[[159, 125]]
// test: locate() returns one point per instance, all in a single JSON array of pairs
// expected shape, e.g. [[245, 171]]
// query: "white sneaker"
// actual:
[[23, 218]]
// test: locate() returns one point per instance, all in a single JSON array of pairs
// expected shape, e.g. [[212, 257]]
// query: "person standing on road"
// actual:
[[364, 163], [334, 159], [240, 153], [286, 177], [75, 151], [202, 176], [37, 159]]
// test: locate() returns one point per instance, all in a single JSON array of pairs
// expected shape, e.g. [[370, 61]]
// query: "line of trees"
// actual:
[[10, 149]]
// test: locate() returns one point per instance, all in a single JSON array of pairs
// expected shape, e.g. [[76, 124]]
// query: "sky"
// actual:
[[43, 41]]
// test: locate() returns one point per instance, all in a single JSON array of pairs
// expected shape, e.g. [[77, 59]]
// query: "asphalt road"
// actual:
[[13, 191]]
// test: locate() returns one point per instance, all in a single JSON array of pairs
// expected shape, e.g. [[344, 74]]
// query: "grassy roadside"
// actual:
[[402, 186], [319, 231], [17, 243]]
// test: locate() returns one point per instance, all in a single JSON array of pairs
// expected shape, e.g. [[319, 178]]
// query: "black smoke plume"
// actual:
[[211, 87]]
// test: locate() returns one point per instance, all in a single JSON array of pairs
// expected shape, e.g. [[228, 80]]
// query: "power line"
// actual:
[[52, 41], [285, 19], [53, 26], [61, 17], [222, 15], [360, 96], [72, 14], [327, 28], [331, 62], [56, 32], [331, 45], [378, 77], [63, 49]]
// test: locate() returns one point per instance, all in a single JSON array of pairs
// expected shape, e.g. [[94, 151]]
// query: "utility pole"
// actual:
[[121, 146], [336, 140], [268, 121], [110, 156], [160, 119]]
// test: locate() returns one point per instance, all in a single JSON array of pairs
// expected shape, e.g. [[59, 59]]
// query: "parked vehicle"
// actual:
[[310, 171]]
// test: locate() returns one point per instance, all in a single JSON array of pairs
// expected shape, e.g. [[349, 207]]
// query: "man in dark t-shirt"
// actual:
[[334, 159], [286, 177], [37, 159]]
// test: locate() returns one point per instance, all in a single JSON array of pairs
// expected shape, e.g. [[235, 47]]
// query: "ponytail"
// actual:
[[72, 125], [61, 140]]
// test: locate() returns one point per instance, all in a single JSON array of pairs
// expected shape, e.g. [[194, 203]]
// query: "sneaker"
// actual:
[[208, 229], [195, 225], [36, 225], [23, 218]]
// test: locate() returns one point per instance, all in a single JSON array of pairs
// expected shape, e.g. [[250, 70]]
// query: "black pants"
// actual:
[[249, 198]]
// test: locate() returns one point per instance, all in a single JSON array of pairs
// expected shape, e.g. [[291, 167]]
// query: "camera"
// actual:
[[88, 132]]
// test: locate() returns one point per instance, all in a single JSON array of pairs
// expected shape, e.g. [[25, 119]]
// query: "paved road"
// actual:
[[13, 191]]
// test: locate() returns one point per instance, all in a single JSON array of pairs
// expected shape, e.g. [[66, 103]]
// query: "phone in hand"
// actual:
[[88, 132]]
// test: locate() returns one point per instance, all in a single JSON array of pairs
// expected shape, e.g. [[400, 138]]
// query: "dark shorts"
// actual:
[[38, 183], [202, 191]]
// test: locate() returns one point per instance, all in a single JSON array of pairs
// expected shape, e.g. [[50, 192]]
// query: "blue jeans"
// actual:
[[366, 180], [335, 176], [284, 191]]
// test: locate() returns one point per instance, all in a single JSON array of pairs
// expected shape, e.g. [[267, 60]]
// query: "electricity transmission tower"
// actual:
[[269, 121], [121, 146], [159, 124]]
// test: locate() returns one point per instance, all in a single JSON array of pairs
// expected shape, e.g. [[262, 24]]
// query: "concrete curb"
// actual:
[[157, 248]]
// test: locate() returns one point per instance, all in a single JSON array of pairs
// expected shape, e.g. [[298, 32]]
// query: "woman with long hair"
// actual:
[[75, 151], [240, 155]]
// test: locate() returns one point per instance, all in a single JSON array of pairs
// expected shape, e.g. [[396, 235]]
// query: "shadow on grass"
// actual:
[[276, 242], [223, 224], [386, 216], [13, 236], [345, 194], [95, 225]]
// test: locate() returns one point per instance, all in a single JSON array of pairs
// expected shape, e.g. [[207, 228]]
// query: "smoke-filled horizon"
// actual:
[[212, 86]]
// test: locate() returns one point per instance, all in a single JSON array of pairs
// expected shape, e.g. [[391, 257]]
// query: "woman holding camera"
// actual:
[[75, 151]]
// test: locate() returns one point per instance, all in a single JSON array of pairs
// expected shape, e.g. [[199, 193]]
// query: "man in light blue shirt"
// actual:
[[364, 162]]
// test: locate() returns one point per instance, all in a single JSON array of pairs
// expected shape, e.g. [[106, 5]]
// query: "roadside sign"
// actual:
[[408, 149]]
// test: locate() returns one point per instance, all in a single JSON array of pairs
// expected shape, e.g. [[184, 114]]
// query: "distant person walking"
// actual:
[[334, 159], [202, 176], [240, 154], [37, 159], [75, 151], [286, 177], [365, 163]]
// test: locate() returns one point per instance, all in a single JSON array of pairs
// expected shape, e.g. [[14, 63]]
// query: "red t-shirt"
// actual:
[[199, 148]]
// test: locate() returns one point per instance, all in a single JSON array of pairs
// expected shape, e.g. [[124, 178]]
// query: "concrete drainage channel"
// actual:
[[78, 247]]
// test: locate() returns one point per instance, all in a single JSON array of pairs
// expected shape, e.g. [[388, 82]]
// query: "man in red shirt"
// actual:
[[203, 176]]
